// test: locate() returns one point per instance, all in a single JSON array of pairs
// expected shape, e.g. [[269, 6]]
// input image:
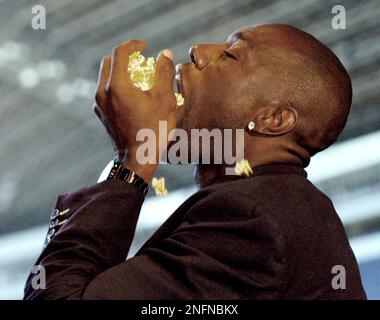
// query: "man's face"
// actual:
[[219, 83], [258, 69]]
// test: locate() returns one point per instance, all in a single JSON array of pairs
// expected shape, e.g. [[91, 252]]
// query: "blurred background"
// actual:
[[51, 142]]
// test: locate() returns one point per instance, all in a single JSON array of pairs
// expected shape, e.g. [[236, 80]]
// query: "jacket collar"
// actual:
[[278, 168]]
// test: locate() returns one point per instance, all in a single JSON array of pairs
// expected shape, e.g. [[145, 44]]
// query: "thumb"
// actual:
[[165, 71]]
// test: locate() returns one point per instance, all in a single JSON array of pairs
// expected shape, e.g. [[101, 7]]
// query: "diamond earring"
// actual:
[[251, 125]]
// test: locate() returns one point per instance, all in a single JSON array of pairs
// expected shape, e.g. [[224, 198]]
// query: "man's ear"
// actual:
[[275, 119]]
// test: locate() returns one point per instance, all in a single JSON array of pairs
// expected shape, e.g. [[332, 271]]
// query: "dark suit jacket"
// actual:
[[271, 236]]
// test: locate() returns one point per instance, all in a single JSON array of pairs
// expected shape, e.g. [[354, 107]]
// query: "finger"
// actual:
[[120, 60], [165, 72], [104, 74], [97, 111]]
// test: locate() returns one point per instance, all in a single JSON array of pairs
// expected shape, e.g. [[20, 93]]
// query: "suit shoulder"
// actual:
[[221, 204], [283, 190], [282, 199]]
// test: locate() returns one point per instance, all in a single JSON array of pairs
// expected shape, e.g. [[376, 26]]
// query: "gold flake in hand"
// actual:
[[159, 186], [142, 70], [242, 168]]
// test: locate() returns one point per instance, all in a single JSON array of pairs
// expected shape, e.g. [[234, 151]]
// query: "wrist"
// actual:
[[129, 175], [144, 171]]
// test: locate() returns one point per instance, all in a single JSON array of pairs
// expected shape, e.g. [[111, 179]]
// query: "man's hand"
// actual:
[[124, 109]]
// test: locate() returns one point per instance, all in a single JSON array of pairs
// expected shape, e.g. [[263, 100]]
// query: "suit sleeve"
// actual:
[[97, 235], [221, 250]]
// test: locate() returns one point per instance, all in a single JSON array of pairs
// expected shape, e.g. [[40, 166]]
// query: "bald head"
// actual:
[[309, 76]]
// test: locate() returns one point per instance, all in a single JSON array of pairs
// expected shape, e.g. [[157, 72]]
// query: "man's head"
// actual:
[[291, 85]]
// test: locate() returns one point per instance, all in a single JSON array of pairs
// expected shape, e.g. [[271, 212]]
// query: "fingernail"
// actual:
[[168, 53]]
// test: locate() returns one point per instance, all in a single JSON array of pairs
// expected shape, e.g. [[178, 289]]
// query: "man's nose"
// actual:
[[202, 54]]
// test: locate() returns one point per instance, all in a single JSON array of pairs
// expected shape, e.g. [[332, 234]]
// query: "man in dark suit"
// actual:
[[272, 235]]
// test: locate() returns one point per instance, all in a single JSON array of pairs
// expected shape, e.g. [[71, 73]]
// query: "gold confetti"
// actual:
[[242, 168], [180, 100], [142, 72], [159, 186]]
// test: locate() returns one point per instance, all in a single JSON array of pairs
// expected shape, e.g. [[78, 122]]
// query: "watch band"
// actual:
[[119, 172]]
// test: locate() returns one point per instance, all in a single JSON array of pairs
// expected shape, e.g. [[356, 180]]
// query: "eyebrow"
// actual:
[[240, 35], [237, 36]]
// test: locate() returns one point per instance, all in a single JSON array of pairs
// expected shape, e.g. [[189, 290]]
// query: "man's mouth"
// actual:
[[178, 79]]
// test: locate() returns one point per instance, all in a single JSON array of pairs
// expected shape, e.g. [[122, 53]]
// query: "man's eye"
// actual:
[[228, 55]]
